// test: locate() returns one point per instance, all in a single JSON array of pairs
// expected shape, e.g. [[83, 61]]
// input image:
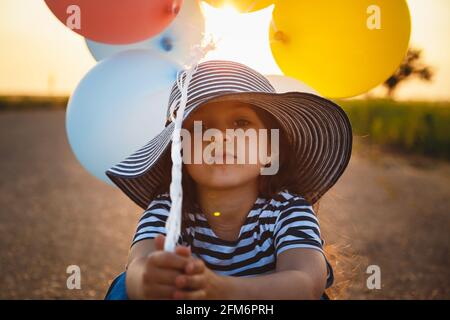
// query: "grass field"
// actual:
[[417, 127], [32, 102]]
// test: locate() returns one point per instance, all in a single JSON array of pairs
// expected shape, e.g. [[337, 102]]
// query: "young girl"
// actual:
[[245, 235]]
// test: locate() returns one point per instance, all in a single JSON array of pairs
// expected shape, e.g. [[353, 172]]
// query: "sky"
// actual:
[[40, 56]]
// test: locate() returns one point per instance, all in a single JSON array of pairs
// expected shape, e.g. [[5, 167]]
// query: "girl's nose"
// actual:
[[225, 136]]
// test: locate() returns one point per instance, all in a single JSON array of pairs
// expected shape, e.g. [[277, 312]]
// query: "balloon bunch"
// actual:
[[140, 46], [341, 48]]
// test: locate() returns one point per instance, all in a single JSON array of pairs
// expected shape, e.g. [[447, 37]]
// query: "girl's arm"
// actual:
[[136, 266], [300, 274]]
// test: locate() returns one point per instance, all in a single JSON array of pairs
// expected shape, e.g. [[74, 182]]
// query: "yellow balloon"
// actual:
[[242, 5], [341, 48]]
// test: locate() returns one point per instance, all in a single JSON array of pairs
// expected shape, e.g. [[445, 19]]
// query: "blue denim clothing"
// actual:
[[118, 289]]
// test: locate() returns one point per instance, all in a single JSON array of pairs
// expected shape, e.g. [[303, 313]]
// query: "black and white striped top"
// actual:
[[272, 226]]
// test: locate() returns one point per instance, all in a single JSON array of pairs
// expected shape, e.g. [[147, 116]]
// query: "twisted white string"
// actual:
[[173, 223]]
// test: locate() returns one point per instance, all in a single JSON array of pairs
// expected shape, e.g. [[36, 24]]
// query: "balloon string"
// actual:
[[173, 223], [274, 26], [278, 34], [251, 6]]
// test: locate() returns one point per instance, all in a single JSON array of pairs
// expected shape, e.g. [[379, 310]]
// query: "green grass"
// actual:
[[419, 127], [32, 102]]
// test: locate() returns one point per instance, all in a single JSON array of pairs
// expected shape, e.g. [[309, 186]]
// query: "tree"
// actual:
[[411, 67]]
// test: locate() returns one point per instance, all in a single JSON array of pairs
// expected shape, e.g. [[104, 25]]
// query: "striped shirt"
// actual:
[[272, 226]]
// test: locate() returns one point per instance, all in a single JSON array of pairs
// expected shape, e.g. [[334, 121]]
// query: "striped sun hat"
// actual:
[[318, 130]]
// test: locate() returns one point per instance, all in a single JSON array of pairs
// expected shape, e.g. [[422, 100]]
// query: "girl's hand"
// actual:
[[159, 270], [199, 282]]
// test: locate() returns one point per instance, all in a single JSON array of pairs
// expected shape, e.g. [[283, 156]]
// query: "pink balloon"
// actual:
[[116, 21]]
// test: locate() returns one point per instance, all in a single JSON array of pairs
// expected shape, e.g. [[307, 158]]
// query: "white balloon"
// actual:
[[117, 107], [176, 41], [284, 84]]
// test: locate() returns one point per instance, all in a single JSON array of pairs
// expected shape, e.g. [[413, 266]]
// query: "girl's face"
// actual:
[[231, 173]]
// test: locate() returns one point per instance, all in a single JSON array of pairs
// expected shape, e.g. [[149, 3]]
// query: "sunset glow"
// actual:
[[60, 58]]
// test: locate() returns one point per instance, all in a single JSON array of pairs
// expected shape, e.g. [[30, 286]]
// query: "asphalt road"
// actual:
[[388, 210]]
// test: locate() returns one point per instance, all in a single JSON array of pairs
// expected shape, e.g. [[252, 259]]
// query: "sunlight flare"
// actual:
[[241, 37]]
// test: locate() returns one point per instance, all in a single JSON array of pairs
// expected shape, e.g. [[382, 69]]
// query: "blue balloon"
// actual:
[[176, 41], [117, 107]]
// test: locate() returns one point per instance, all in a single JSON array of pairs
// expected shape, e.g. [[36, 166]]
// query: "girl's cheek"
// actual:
[[264, 153]]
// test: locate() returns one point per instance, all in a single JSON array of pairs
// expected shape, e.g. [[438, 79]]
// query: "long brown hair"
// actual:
[[269, 185]]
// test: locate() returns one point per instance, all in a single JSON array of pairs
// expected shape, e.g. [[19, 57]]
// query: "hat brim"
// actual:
[[318, 129]]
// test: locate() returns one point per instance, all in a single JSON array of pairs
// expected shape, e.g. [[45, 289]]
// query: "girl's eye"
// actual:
[[241, 123], [201, 126]]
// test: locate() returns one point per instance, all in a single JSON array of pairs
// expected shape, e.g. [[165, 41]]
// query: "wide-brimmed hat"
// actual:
[[318, 130]]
